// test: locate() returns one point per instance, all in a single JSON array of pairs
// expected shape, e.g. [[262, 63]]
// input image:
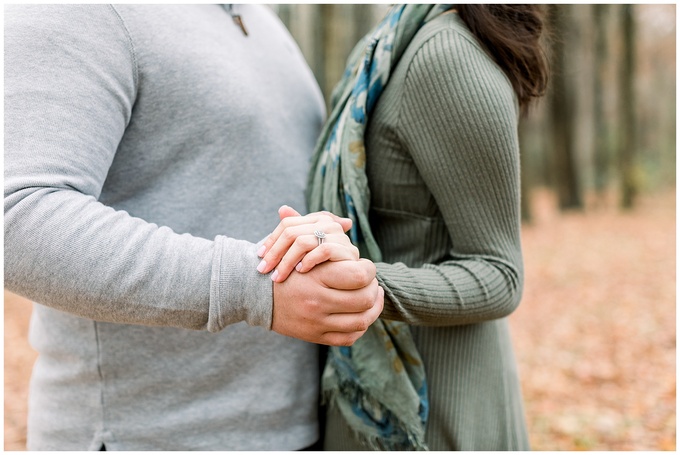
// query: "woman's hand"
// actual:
[[293, 243]]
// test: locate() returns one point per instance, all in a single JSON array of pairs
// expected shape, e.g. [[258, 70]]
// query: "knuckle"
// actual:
[[381, 306], [372, 296], [369, 302], [371, 318], [353, 275], [363, 271], [362, 302], [332, 228], [287, 235], [332, 339], [329, 225], [370, 267], [348, 340], [375, 313], [312, 306], [272, 258], [324, 218], [361, 275], [351, 300], [362, 324], [300, 242], [341, 338], [324, 250]]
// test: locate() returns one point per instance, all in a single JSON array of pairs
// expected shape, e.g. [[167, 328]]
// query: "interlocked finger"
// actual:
[[289, 235], [308, 251], [317, 219], [327, 252], [351, 326]]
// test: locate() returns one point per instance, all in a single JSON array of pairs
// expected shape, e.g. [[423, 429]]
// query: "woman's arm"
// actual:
[[458, 122]]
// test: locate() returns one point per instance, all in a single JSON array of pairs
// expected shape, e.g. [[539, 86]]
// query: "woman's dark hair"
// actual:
[[511, 35]]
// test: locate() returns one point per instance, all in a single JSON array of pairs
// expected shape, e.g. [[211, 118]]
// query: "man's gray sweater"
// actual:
[[147, 149]]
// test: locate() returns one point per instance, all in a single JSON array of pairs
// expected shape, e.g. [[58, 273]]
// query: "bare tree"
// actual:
[[601, 136], [628, 145], [563, 111]]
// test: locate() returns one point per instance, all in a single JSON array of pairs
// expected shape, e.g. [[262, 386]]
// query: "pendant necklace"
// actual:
[[236, 18]]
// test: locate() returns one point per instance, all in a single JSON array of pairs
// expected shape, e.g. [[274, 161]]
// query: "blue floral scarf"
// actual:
[[378, 384]]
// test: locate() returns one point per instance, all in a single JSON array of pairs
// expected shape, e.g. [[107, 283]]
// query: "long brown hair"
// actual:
[[511, 34]]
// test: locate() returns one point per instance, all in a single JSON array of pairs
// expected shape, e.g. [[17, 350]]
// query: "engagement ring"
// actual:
[[321, 235]]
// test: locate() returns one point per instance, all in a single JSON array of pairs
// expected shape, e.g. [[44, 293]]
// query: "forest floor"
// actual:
[[595, 333]]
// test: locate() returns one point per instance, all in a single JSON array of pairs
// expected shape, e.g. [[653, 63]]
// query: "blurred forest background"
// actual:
[[596, 331]]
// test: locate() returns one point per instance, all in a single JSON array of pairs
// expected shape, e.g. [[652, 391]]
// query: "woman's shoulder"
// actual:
[[450, 25], [445, 54], [446, 40]]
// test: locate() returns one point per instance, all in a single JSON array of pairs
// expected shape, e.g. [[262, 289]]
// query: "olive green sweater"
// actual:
[[443, 169]]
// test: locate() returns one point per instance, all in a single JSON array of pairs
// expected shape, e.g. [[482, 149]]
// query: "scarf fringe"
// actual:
[[355, 393]]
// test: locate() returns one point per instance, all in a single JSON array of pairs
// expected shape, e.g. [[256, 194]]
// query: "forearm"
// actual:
[[68, 251], [462, 291]]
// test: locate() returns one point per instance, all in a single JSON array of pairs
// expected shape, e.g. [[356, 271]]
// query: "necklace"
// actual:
[[236, 18]]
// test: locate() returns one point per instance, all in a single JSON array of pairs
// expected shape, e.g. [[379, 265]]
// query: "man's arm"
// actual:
[[69, 94]]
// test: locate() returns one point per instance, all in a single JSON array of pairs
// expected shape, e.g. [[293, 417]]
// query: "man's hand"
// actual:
[[332, 304]]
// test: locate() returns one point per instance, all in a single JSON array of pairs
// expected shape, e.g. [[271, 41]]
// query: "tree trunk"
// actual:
[[601, 134], [627, 148], [562, 110]]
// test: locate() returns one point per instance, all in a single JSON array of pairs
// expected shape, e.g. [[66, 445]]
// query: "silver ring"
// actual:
[[321, 235]]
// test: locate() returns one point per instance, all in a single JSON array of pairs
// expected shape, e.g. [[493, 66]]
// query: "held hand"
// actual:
[[286, 211], [294, 238], [333, 304]]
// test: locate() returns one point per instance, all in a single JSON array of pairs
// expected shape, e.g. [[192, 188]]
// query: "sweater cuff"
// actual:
[[238, 292], [390, 311]]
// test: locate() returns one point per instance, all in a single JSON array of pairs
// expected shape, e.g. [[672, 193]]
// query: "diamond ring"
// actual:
[[321, 235]]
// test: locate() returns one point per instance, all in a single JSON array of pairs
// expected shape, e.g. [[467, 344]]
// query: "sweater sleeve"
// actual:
[[458, 120], [70, 86]]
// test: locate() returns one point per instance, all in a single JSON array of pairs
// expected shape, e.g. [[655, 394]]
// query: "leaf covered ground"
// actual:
[[595, 332], [594, 336]]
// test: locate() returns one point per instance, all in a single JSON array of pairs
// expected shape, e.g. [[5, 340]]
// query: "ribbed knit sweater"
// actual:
[[443, 169]]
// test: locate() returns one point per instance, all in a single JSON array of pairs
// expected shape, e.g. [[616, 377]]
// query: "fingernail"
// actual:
[[261, 266], [275, 275], [298, 266], [261, 251]]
